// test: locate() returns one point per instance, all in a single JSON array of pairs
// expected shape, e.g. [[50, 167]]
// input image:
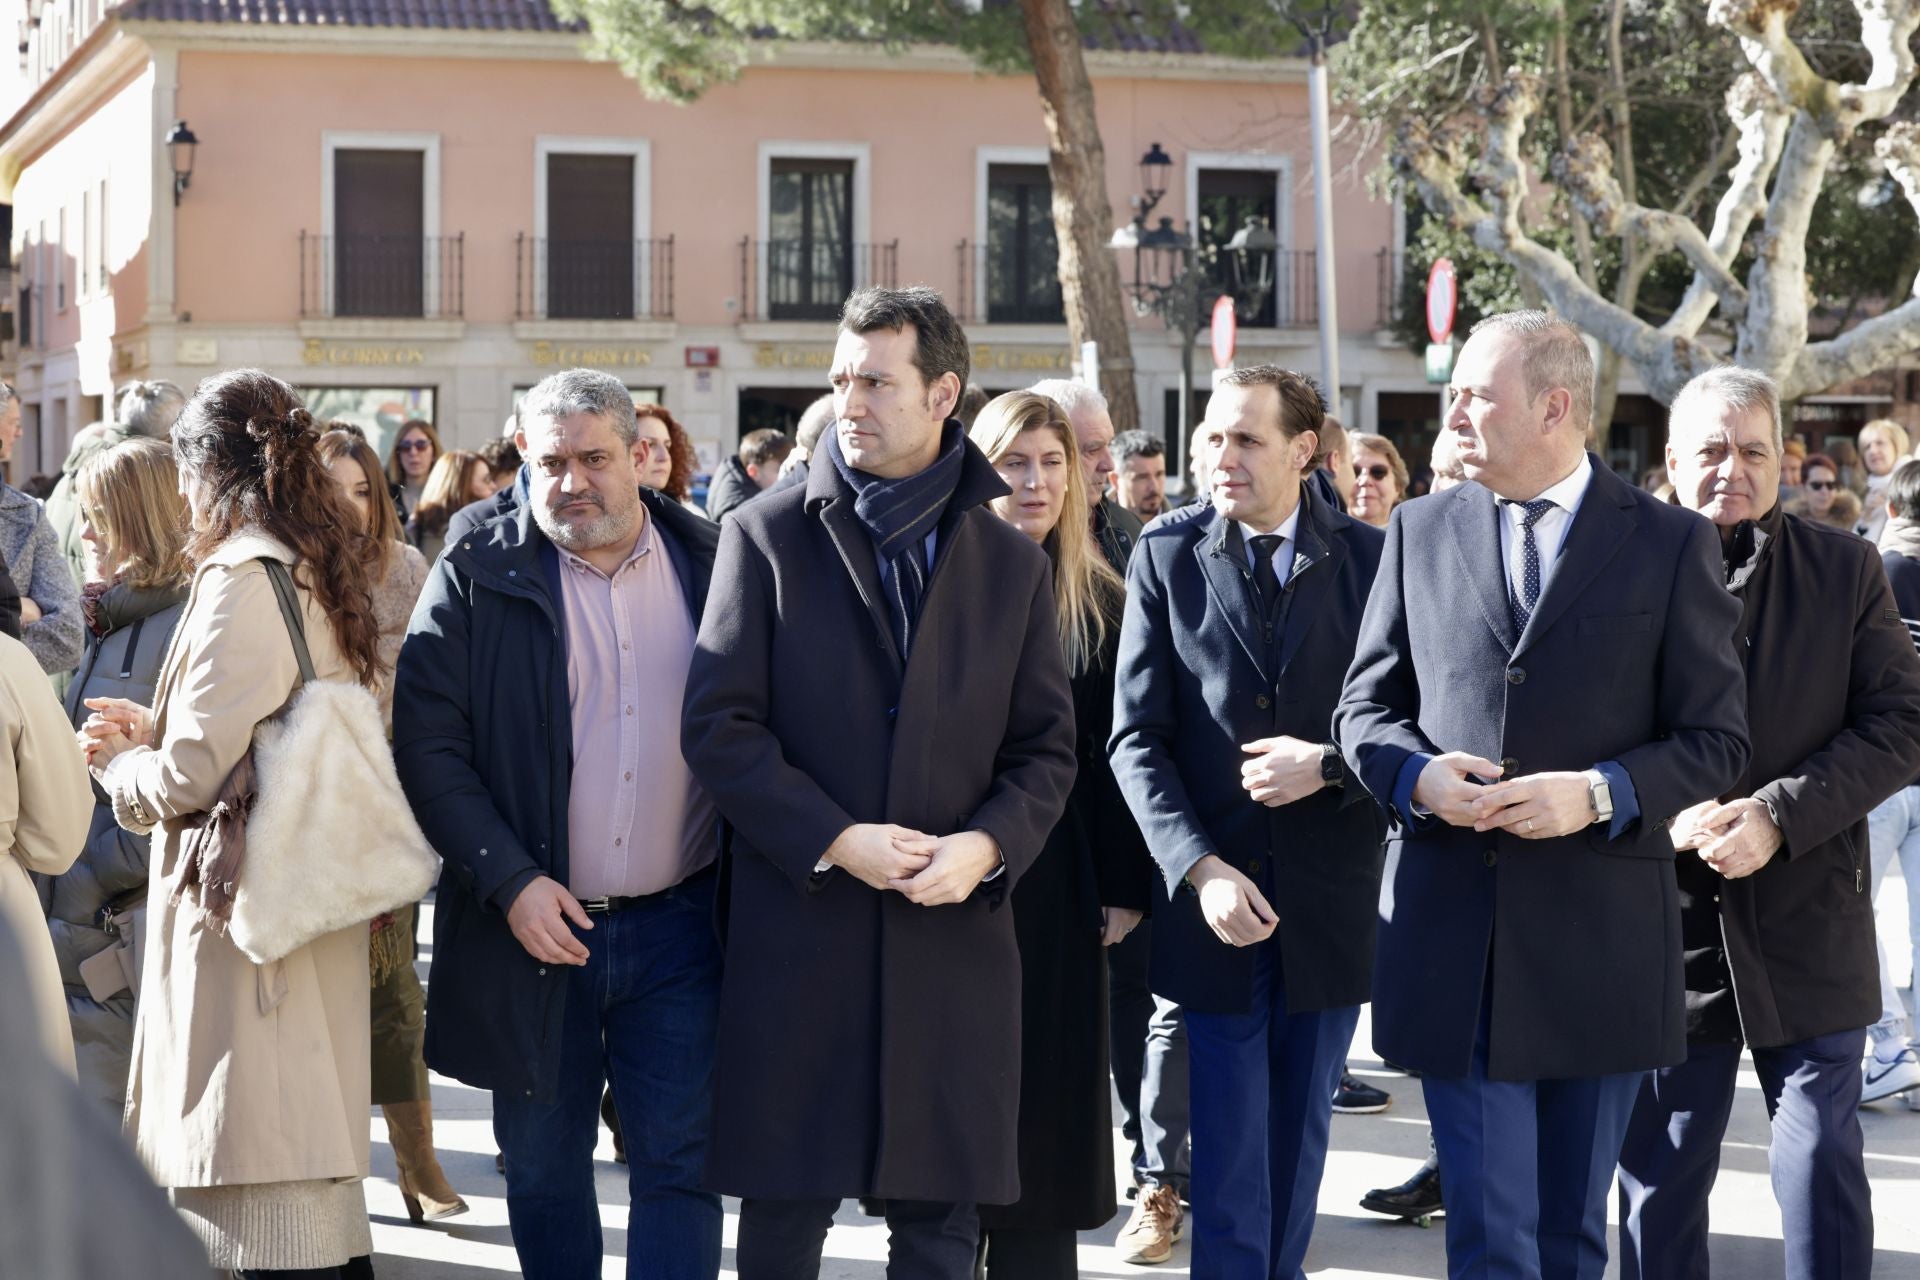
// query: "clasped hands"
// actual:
[[1539, 806], [931, 871], [1736, 838], [116, 725]]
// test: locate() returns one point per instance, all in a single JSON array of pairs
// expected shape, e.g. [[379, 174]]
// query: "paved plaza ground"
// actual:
[[1349, 1243]]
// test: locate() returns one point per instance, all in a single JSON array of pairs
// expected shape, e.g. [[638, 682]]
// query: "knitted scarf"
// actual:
[[898, 516]]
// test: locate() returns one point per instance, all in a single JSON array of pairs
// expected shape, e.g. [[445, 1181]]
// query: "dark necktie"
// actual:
[[1527, 596], [1266, 579]]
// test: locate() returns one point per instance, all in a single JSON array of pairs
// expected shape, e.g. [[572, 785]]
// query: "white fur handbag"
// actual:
[[330, 839]]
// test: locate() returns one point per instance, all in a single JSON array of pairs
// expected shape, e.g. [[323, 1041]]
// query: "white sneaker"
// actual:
[[1882, 1078]]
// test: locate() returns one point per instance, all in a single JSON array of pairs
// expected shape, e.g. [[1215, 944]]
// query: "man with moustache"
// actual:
[[1775, 915], [1526, 963], [536, 713], [1241, 620]]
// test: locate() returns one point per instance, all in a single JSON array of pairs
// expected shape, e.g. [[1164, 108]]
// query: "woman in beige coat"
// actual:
[[45, 801], [249, 1094]]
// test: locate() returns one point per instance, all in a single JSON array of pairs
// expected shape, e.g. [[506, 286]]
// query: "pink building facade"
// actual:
[[408, 221]]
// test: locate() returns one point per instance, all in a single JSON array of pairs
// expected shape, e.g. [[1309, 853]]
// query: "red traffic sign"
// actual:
[[1443, 294], [1226, 332]]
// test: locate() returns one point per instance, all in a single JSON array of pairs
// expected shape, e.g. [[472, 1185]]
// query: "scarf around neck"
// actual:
[[898, 515], [1901, 536]]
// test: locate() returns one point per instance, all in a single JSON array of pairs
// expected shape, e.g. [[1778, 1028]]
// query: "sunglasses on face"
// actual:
[[1821, 485], [1379, 471], [415, 446]]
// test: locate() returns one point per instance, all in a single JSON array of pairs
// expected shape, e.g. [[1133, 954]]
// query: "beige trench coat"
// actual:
[[44, 802], [242, 1073]]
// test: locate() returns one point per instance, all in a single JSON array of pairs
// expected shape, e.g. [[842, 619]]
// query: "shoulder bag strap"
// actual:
[[290, 611]]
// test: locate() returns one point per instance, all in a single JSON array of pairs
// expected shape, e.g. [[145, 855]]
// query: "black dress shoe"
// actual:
[[1416, 1198]]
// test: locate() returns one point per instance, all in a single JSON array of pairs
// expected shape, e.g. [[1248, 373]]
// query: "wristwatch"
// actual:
[[1600, 795], [1333, 770]]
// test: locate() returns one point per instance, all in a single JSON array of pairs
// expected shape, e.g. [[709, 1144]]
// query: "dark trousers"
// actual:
[[1263, 1085], [640, 1015], [1672, 1155], [1527, 1165], [783, 1239], [1040, 1254], [1147, 1046]]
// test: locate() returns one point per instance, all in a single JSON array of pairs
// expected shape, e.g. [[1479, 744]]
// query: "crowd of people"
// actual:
[[844, 838]]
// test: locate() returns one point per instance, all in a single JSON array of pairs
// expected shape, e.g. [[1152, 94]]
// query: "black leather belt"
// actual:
[[602, 906]]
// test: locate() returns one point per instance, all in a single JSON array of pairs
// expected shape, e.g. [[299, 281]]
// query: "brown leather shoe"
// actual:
[[1156, 1223], [423, 1186]]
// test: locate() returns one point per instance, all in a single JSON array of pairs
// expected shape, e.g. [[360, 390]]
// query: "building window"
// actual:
[[1227, 198], [83, 285], [378, 411], [809, 250], [590, 247], [104, 278], [379, 247], [60, 262], [1023, 280]]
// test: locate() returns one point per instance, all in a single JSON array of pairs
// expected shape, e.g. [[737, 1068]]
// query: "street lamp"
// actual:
[[1179, 279], [180, 145]]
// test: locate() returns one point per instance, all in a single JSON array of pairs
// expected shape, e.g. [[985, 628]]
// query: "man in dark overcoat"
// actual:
[[1776, 917], [1240, 624], [1544, 679], [880, 709]]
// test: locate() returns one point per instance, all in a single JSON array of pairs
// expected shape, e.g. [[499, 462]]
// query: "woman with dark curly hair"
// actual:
[[670, 460], [248, 1098]]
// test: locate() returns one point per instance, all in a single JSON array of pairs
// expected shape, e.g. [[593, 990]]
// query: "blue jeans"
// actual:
[[1893, 831], [1263, 1084], [640, 1014]]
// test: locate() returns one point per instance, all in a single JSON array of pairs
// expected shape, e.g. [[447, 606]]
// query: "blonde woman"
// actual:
[[132, 529], [1092, 881], [459, 477]]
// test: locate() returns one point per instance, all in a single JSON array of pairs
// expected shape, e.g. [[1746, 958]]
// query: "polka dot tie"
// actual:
[[1523, 601]]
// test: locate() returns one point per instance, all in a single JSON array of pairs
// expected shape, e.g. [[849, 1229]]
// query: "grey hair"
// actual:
[[571, 391], [1734, 388], [8, 396], [1556, 356], [149, 408], [814, 423], [1073, 397]]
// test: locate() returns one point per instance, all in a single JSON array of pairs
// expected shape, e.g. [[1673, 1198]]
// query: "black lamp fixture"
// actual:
[[1154, 167], [180, 145]]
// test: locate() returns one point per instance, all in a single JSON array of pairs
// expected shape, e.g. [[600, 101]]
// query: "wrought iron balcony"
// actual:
[[389, 277], [592, 279]]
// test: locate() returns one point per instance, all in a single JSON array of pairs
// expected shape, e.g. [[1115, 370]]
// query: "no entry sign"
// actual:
[[1443, 295], [1226, 332]]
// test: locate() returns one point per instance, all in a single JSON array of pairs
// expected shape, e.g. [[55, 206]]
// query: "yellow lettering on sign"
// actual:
[[315, 351], [545, 355], [1022, 360], [768, 356]]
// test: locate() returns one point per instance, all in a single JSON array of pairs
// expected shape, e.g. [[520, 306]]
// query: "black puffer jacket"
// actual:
[[122, 660]]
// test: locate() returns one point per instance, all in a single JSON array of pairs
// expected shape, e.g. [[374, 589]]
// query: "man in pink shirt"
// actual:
[[537, 731]]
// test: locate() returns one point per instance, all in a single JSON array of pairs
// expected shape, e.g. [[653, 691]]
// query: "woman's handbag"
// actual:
[[330, 839]]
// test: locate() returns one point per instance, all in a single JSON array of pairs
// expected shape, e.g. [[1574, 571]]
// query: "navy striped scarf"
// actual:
[[898, 515]]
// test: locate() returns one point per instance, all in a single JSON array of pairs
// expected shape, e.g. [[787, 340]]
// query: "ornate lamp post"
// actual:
[[1179, 279]]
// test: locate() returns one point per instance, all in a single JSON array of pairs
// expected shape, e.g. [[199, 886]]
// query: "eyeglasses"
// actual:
[[1379, 471], [1822, 485], [415, 445]]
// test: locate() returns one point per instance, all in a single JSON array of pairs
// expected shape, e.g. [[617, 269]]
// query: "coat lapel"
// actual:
[[1604, 521], [857, 554], [1226, 576], [1316, 566], [1474, 524]]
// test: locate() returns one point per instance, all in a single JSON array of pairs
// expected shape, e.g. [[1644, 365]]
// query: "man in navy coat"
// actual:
[[1240, 623], [1545, 678]]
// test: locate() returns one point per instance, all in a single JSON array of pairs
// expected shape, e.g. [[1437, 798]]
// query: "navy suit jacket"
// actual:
[[1628, 657], [1197, 680]]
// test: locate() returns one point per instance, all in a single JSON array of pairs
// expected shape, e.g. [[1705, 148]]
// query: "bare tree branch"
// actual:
[[1899, 150], [1869, 346], [1760, 119]]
